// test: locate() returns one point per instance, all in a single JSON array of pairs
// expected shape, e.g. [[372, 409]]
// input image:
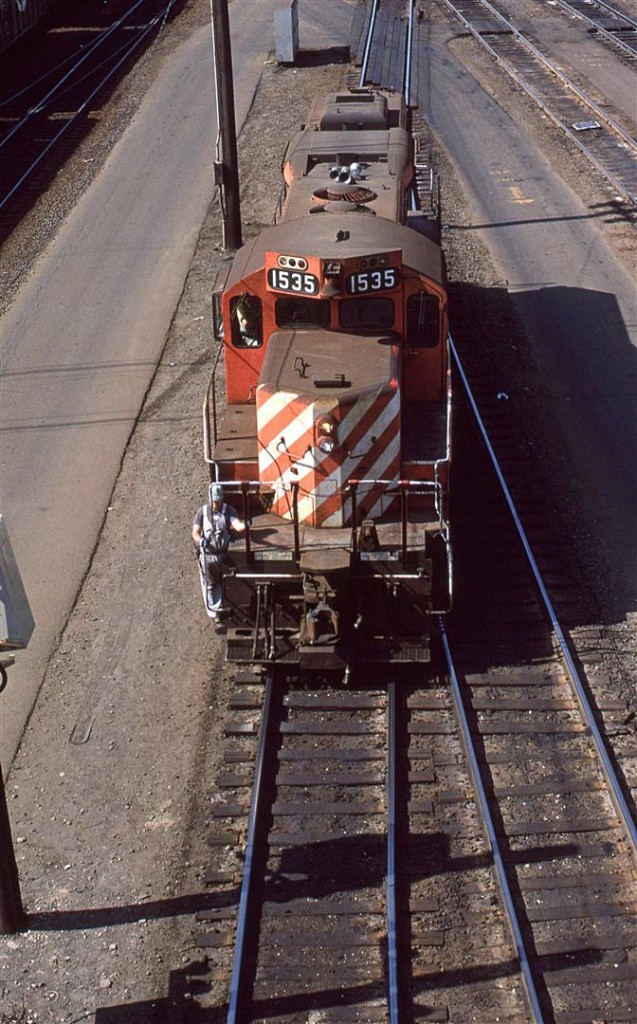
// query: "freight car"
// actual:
[[334, 436]]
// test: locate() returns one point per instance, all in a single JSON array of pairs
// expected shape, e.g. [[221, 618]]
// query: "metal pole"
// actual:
[[295, 518], [12, 916], [392, 913], [229, 183], [246, 519], [404, 488]]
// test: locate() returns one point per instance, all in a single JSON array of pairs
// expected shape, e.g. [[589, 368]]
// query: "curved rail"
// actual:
[[616, 793]]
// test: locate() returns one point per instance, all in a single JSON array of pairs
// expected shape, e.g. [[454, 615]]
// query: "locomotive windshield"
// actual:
[[299, 312], [368, 312]]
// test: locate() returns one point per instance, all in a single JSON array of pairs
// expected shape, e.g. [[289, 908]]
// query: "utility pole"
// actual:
[[228, 168]]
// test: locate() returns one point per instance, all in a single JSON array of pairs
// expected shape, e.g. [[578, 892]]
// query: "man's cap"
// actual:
[[215, 493]]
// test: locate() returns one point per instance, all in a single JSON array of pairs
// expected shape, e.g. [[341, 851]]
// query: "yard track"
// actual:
[[605, 142], [612, 24], [400, 868], [53, 94]]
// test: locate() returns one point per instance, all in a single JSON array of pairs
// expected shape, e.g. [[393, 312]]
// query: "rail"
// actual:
[[210, 409], [498, 858], [587, 12], [242, 944], [70, 79], [407, 74], [392, 912], [620, 803], [268, 806], [368, 44]]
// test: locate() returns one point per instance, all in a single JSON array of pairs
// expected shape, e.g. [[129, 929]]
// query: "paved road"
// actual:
[[577, 301], [81, 341]]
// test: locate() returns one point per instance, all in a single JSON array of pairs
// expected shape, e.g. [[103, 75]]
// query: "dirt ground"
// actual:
[[109, 793]]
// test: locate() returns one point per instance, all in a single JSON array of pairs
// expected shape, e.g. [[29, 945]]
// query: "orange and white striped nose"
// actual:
[[320, 444]]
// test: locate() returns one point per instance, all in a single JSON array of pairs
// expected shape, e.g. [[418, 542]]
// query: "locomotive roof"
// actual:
[[386, 157], [339, 235], [389, 151]]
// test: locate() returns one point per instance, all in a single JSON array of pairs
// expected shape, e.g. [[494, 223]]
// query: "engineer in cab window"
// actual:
[[247, 329]]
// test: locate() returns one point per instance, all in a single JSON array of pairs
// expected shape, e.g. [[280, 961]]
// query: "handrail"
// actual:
[[403, 488], [397, 483], [368, 44], [211, 393]]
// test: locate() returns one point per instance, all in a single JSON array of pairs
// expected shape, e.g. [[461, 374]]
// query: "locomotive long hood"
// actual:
[[350, 380]]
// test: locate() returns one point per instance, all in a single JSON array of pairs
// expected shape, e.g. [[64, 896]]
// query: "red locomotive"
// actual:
[[335, 436]]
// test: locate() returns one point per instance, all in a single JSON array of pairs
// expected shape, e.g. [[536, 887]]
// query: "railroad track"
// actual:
[[562, 816], [612, 24], [390, 856], [52, 98], [381, 43], [603, 140], [450, 845]]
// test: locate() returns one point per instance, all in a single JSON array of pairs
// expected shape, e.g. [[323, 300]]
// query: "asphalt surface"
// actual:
[[576, 298]]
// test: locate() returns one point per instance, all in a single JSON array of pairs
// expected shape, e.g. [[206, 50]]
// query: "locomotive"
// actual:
[[333, 437]]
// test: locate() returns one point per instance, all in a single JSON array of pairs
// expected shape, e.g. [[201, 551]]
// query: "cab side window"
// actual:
[[423, 321], [246, 319]]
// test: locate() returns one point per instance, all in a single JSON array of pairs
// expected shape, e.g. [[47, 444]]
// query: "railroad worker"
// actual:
[[212, 532], [248, 316]]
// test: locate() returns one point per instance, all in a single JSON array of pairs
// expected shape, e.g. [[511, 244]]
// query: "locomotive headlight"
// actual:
[[326, 434], [327, 445]]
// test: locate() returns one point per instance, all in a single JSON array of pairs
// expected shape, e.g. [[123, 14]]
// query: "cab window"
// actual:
[[246, 319], [296, 312], [423, 321], [366, 312]]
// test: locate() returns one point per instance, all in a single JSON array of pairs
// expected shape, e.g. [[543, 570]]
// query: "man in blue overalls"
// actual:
[[212, 530]]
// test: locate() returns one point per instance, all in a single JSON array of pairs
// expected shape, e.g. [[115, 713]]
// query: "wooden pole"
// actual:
[[229, 183]]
